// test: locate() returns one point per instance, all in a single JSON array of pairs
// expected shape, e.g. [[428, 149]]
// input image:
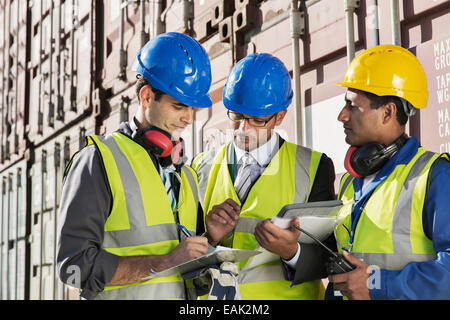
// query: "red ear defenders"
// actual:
[[364, 161], [161, 144]]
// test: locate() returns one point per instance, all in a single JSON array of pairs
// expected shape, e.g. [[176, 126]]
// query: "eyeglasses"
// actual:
[[254, 122]]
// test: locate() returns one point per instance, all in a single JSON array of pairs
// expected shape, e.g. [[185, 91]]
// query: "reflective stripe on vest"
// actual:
[[287, 179], [392, 215], [139, 225], [163, 291]]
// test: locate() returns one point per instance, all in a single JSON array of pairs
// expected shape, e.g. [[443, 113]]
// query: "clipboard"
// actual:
[[318, 218], [213, 256]]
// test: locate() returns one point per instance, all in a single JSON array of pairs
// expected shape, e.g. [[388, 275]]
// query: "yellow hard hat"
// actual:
[[388, 70]]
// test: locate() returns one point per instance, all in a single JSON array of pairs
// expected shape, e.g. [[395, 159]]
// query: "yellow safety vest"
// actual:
[[390, 233], [141, 221], [287, 179]]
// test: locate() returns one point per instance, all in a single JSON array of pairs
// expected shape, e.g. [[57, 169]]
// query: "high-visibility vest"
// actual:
[[389, 233], [287, 179], [141, 221]]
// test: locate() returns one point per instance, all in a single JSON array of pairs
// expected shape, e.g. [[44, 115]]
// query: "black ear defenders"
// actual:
[[161, 143], [364, 161]]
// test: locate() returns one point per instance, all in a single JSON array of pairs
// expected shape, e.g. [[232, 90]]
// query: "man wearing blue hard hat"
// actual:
[[257, 174], [127, 195]]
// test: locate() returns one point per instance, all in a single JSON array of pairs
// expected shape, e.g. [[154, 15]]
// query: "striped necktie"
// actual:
[[243, 180], [166, 178]]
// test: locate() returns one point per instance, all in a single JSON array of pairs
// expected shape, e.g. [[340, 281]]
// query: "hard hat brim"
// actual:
[[417, 99], [196, 102], [255, 112]]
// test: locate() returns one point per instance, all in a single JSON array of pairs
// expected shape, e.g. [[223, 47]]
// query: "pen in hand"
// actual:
[[188, 234], [184, 230]]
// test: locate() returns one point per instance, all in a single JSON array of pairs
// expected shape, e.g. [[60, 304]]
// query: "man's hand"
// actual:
[[189, 249], [282, 242], [132, 269], [221, 220], [353, 284]]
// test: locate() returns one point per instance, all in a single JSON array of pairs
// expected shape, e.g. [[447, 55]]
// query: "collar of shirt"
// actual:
[[263, 154], [133, 126]]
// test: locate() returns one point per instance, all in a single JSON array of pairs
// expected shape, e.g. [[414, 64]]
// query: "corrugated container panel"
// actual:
[[47, 284], [13, 228], [5, 209], [122, 108], [116, 73], [63, 66], [12, 272], [207, 15], [211, 125], [1, 261], [46, 173], [424, 31], [21, 270], [326, 30], [323, 62], [36, 11], [35, 259], [432, 124], [203, 17], [12, 206], [2, 24], [175, 16], [4, 273], [13, 66]]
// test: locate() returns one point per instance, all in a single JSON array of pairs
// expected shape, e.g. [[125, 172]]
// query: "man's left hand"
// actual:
[[282, 242], [353, 284]]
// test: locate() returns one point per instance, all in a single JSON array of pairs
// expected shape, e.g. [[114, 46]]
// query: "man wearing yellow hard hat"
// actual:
[[400, 223]]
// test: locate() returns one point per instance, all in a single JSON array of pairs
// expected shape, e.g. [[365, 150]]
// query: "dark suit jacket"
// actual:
[[310, 264]]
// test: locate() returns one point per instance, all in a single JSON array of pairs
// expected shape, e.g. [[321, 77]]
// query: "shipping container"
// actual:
[[14, 52], [14, 231], [50, 160], [63, 65], [323, 60]]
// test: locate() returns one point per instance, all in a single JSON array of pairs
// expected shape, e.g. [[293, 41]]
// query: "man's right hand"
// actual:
[[132, 269], [189, 249], [221, 220]]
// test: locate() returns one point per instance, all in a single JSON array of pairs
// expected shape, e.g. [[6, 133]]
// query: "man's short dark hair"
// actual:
[[142, 82], [378, 101]]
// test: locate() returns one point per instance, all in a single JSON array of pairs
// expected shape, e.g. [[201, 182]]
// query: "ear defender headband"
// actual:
[[364, 161], [160, 143]]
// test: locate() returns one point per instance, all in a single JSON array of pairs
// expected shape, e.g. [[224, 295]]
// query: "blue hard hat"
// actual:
[[177, 65], [259, 85]]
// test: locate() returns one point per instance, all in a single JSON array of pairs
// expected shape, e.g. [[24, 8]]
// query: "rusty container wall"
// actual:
[[429, 38], [50, 160], [62, 65], [119, 52], [123, 37], [423, 32], [14, 232], [14, 52], [199, 19], [323, 61]]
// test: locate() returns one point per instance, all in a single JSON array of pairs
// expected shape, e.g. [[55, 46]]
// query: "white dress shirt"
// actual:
[[263, 155]]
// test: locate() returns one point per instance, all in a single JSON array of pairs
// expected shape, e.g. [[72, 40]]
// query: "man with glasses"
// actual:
[[258, 173]]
